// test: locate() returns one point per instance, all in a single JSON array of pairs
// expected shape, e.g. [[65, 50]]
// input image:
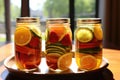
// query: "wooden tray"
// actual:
[[43, 69]]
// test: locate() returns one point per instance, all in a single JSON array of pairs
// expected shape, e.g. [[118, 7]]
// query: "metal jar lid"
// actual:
[[88, 20], [27, 20], [58, 20]]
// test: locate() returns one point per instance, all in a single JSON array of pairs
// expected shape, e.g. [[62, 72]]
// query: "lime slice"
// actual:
[[55, 49], [84, 35]]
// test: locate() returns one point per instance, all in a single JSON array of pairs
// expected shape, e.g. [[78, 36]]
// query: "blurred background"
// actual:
[[11, 9]]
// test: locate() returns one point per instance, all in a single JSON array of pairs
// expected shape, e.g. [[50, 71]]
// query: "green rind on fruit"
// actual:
[[58, 52], [56, 44], [94, 50], [52, 50], [55, 48], [36, 34]]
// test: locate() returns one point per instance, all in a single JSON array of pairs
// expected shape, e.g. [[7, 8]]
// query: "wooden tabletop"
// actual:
[[113, 56]]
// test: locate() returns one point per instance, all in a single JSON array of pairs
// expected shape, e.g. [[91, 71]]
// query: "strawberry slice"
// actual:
[[53, 38], [35, 42], [89, 45], [26, 50], [66, 41]]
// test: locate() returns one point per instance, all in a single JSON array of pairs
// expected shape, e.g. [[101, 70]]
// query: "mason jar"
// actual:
[[88, 43], [58, 44], [27, 41]]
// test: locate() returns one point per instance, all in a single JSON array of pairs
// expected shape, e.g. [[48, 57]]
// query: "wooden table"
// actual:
[[112, 55]]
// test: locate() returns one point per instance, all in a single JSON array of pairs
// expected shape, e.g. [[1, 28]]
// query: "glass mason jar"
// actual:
[[88, 43], [58, 44], [27, 39]]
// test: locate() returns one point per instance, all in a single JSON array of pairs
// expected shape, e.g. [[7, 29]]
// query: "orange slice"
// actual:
[[98, 32], [65, 61], [22, 36], [88, 62], [59, 29]]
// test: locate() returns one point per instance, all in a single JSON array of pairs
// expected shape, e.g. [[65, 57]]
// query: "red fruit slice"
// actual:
[[53, 38], [66, 41], [35, 42], [89, 45], [26, 50]]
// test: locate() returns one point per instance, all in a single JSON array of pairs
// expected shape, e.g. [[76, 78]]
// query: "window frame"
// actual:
[[25, 11]]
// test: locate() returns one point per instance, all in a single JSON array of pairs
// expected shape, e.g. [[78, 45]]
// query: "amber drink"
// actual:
[[88, 43], [58, 44], [27, 42]]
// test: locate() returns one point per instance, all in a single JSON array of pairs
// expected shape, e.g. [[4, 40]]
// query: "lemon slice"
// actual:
[[88, 62], [84, 35], [22, 36], [36, 30], [65, 61]]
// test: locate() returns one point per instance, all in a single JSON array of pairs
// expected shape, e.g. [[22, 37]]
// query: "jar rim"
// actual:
[[27, 19], [88, 20], [58, 20]]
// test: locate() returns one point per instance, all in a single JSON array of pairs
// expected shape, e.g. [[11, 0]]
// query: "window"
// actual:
[[2, 29], [15, 8], [85, 8], [14, 12], [51, 9], [54, 8]]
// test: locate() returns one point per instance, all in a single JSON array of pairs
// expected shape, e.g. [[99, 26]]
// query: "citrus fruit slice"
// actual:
[[46, 34], [36, 31], [59, 29], [22, 36], [84, 35], [55, 49], [65, 61], [88, 62], [98, 32]]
